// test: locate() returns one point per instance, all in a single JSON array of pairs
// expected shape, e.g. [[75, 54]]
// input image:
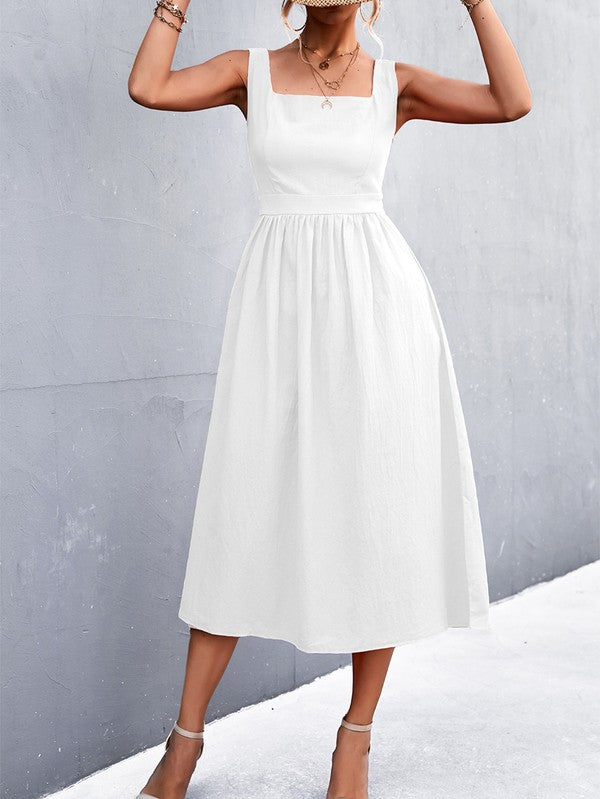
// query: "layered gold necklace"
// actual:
[[334, 84]]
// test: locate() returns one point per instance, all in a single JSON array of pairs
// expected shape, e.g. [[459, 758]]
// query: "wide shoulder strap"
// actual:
[[258, 84], [387, 94], [388, 77]]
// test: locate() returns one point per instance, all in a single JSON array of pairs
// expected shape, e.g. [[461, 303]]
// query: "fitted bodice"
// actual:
[[308, 158]]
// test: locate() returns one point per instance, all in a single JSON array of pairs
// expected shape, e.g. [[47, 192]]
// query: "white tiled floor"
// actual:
[[511, 714]]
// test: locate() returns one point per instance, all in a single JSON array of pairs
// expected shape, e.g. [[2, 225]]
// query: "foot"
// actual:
[[350, 765], [172, 775]]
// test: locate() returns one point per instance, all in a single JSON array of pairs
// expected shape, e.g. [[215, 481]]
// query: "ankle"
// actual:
[[361, 718], [191, 723]]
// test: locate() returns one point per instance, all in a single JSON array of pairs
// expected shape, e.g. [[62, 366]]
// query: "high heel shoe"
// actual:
[[356, 728], [186, 734]]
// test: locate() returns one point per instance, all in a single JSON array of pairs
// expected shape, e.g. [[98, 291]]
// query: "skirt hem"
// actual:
[[332, 648]]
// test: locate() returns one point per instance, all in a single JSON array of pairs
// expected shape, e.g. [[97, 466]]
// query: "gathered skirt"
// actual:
[[337, 507]]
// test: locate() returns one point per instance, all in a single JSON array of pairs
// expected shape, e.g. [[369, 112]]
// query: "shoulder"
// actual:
[[404, 74], [237, 58], [232, 61]]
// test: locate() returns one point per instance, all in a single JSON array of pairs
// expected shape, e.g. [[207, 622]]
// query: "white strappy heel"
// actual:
[[186, 734]]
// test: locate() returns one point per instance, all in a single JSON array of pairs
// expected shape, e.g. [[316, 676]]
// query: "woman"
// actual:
[[337, 507]]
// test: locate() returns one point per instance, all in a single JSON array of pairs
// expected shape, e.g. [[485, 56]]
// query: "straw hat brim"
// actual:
[[327, 2]]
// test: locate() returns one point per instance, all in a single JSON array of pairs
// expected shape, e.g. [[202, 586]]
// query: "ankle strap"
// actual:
[[356, 727], [187, 733]]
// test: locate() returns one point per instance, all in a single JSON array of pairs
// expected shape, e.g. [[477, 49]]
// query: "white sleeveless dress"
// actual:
[[337, 507]]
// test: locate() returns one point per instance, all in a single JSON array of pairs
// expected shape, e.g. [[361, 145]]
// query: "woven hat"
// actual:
[[328, 2]]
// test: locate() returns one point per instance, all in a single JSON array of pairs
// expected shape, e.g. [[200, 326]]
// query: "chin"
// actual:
[[330, 15]]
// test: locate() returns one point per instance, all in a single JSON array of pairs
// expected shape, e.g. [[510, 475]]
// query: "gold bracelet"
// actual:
[[470, 6], [168, 22], [173, 8], [178, 13]]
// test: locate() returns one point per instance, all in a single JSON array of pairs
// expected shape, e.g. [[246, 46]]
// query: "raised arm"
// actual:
[[152, 83], [423, 94]]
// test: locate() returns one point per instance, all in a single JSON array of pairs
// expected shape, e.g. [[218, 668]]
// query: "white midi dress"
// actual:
[[337, 506]]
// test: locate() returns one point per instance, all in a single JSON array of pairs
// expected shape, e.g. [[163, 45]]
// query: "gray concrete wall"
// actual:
[[122, 232]]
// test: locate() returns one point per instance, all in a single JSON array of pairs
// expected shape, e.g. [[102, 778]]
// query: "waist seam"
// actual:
[[282, 203]]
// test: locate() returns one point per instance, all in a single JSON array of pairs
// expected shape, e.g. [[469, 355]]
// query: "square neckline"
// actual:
[[333, 96]]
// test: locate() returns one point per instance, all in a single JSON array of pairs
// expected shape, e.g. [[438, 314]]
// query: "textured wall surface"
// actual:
[[122, 232]]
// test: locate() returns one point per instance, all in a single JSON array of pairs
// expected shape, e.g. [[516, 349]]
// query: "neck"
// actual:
[[330, 39]]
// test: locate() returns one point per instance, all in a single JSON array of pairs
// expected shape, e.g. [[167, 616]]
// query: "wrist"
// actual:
[[181, 5], [471, 5], [172, 13]]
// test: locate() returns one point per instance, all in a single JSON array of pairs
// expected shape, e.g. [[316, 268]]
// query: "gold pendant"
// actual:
[[324, 65], [326, 103]]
